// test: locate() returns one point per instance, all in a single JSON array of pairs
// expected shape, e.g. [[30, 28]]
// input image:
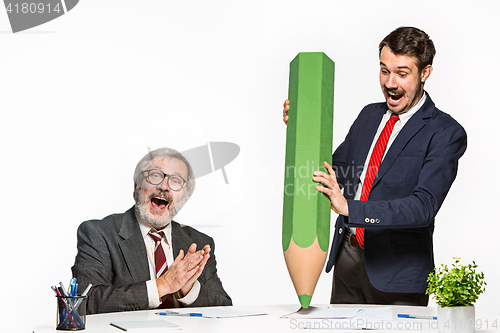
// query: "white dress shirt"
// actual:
[[398, 126], [153, 296]]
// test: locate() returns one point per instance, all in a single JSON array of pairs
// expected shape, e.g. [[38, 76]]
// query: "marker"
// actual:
[[72, 286], [404, 315], [309, 135], [190, 314]]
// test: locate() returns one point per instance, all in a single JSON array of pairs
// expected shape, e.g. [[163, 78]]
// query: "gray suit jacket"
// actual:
[[112, 256]]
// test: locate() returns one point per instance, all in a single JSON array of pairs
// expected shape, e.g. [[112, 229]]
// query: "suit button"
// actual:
[[340, 231], [372, 221], [367, 220], [377, 221]]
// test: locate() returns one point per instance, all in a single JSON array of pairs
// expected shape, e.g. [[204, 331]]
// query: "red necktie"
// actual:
[[373, 165], [161, 265]]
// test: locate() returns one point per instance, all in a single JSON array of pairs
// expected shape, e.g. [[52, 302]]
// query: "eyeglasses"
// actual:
[[156, 177]]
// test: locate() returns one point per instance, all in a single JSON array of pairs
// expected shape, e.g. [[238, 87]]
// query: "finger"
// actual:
[[192, 248], [193, 260], [326, 180], [194, 255], [189, 284], [286, 102], [324, 185], [206, 249], [285, 112], [199, 270], [323, 178], [204, 260], [324, 189], [179, 257], [322, 174], [286, 107], [332, 173], [328, 167]]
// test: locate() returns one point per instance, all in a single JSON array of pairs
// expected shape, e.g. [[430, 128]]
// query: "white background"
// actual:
[[83, 96]]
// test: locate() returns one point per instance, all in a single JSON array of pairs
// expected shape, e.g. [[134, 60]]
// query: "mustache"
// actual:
[[160, 194], [393, 91]]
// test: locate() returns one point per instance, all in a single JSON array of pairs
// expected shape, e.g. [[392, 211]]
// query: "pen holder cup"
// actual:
[[71, 313]]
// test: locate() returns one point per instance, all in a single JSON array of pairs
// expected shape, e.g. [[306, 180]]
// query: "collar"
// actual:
[[145, 230], [407, 115]]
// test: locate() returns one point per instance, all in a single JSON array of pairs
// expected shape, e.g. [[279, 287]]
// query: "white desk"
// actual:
[[272, 322]]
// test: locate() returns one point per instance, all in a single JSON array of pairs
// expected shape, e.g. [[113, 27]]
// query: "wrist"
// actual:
[[163, 287], [185, 290]]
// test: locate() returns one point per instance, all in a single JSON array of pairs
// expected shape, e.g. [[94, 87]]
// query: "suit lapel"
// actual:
[[133, 248], [412, 127], [369, 130], [180, 240]]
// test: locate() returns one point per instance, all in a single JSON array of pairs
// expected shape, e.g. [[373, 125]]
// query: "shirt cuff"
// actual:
[[153, 296], [192, 294]]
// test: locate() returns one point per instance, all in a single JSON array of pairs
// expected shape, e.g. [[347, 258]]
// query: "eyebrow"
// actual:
[[179, 174], [399, 67], [175, 173]]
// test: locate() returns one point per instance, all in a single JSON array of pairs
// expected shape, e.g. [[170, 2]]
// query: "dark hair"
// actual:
[[163, 153], [412, 42]]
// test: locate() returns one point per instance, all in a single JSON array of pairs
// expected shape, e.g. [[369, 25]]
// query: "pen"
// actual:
[[87, 289], [60, 291], [63, 290], [77, 304], [190, 314], [404, 315], [65, 307]]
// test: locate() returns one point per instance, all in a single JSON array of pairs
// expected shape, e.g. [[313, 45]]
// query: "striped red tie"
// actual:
[[161, 265], [373, 165]]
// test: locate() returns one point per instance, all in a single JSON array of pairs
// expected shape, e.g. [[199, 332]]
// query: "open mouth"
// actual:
[[159, 203], [394, 97]]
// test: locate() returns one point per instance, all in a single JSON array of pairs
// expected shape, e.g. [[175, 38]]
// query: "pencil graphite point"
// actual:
[[305, 300]]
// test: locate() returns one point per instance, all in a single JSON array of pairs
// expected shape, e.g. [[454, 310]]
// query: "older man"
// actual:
[[129, 257]]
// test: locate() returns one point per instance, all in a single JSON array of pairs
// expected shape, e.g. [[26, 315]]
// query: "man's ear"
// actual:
[[426, 72]]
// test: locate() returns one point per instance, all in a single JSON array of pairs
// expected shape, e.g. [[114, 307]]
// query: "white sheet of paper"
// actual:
[[376, 313], [138, 325], [325, 313], [220, 312]]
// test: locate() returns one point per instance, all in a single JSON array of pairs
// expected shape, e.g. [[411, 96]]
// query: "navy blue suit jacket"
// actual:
[[410, 187]]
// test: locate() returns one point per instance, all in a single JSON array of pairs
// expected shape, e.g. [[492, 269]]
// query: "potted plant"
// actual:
[[455, 290]]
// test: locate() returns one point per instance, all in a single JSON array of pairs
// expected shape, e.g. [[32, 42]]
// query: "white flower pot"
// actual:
[[456, 319]]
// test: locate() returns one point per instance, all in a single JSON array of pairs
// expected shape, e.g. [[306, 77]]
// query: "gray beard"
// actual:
[[144, 217]]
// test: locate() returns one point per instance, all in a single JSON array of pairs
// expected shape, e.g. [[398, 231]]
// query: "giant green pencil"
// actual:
[[306, 212]]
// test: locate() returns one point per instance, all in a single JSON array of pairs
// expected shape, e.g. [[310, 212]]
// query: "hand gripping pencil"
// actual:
[[306, 212]]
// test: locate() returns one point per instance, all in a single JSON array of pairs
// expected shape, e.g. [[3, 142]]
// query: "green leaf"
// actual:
[[455, 286]]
